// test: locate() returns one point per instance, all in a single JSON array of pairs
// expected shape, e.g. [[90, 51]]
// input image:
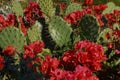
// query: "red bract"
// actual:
[[1, 62], [9, 50], [2, 22], [49, 65], [32, 12], [11, 20], [73, 17], [99, 8], [88, 2], [90, 54], [57, 74], [32, 49], [69, 60], [37, 46], [84, 73]]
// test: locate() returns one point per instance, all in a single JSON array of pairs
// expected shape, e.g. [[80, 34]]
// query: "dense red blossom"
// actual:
[[32, 12], [69, 60], [90, 54], [49, 65], [1, 62], [32, 49], [73, 17], [99, 8], [84, 73], [9, 50]]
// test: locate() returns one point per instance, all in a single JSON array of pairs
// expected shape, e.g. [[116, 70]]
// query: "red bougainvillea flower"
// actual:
[[58, 74], [2, 22], [37, 46], [73, 17], [84, 73], [90, 54], [69, 60], [32, 12], [1, 62], [88, 2], [11, 20], [49, 65], [99, 8], [9, 50], [32, 49]]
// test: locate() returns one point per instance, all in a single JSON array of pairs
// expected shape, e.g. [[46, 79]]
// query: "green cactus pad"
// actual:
[[111, 7], [17, 8], [47, 7], [12, 36], [89, 28], [33, 33], [102, 36], [73, 7], [59, 30]]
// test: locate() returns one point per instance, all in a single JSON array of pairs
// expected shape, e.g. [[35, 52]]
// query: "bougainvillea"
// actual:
[[56, 45]]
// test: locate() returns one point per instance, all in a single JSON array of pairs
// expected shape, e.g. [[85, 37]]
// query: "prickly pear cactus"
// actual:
[[12, 36], [59, 30], [89, 28], [17, 8], [73, 7], [102, 36], [33, 33], [47, 7]]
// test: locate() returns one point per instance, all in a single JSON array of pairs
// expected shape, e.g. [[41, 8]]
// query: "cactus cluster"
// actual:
[[89, 27], [12, 36]]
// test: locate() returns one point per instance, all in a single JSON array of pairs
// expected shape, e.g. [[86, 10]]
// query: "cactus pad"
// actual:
[[47, 7], [17, 8], [33, 33], [73, 7], [59, 30], [12, 36], [89, 27]]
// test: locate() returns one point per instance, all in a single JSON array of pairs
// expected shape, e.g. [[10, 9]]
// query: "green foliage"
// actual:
[[89, 28], [17, 8], [102, 36], [33, 33], [59, 30], [47, 7], [12, 36], [73, 7]]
